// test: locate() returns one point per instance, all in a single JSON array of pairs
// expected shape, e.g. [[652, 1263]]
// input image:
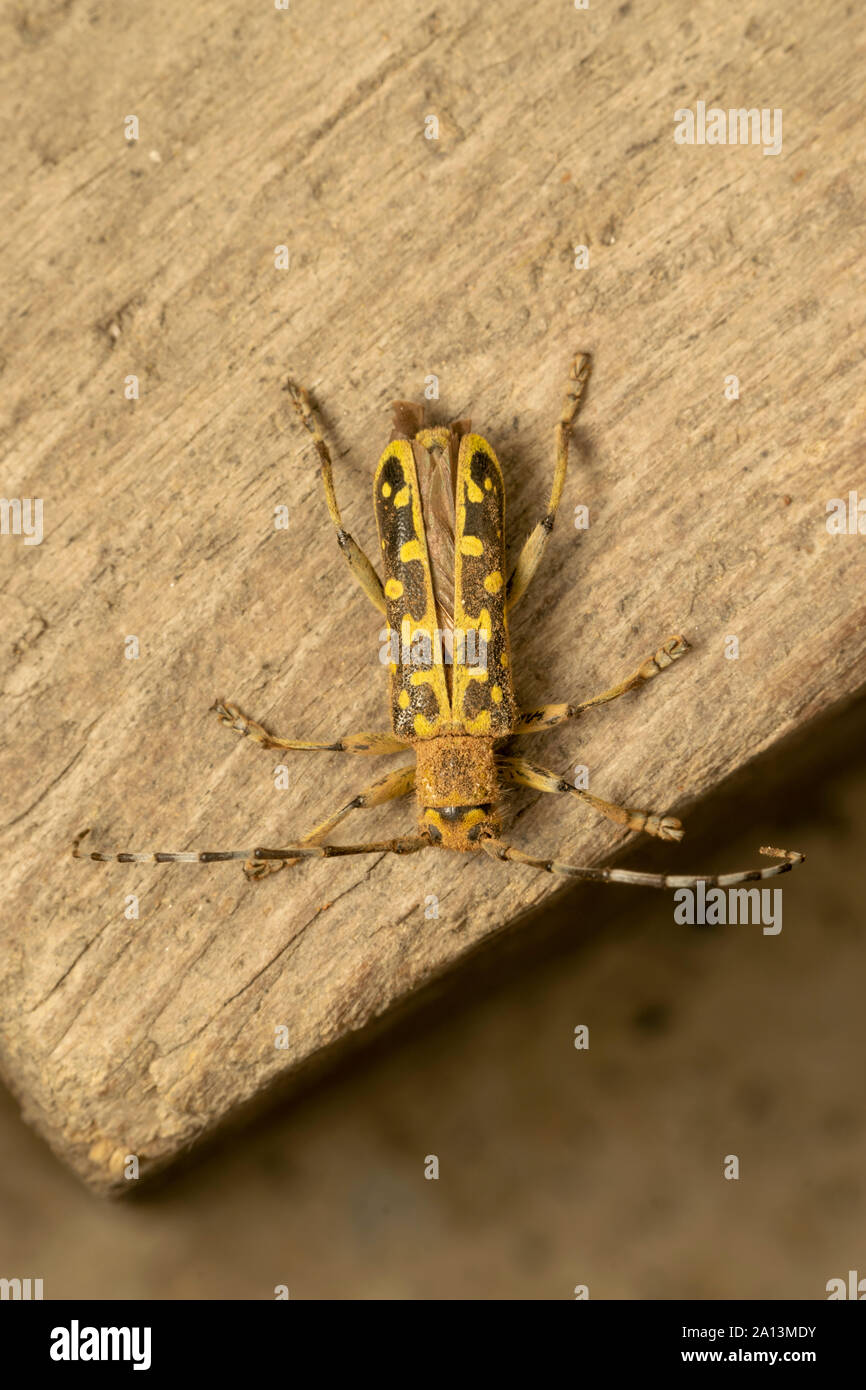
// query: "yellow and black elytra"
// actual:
[[439, 499]]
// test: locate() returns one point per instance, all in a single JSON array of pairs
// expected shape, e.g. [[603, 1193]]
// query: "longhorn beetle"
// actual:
[[439, 500]]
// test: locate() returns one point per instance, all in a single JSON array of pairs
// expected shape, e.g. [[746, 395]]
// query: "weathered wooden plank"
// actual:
[[408, 257]]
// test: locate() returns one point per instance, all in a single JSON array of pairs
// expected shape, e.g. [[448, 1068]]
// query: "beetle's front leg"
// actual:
[[527, 774], [398, 783]]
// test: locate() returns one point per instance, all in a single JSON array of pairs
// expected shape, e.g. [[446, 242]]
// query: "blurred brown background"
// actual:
[[557, 1167]]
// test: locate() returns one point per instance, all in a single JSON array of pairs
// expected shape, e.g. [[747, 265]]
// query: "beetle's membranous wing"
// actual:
[[407, 419], [436, 472], [482, 697], [419, 697]]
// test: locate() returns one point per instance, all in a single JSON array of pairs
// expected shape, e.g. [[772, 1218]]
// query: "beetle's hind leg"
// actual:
[[533, 548], [361, 568], [528, 774], [366, 743]]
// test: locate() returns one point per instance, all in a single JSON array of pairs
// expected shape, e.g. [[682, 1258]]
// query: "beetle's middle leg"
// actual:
[[528, 774], [398, 783], [369, 743], [548, 716]]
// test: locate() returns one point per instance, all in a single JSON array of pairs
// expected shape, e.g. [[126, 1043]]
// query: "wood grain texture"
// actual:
[[409, 257]]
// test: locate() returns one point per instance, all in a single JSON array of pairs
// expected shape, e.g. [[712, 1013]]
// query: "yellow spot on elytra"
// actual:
[[493, 582], [504, 658], [411, 550], [393, 588], [403, 699], [392, 667], [473, 491], [386, 489], [471, 545], [496, 695], [419, 677], [402, 498], [488, 483], [423, 727], [480, 725]]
